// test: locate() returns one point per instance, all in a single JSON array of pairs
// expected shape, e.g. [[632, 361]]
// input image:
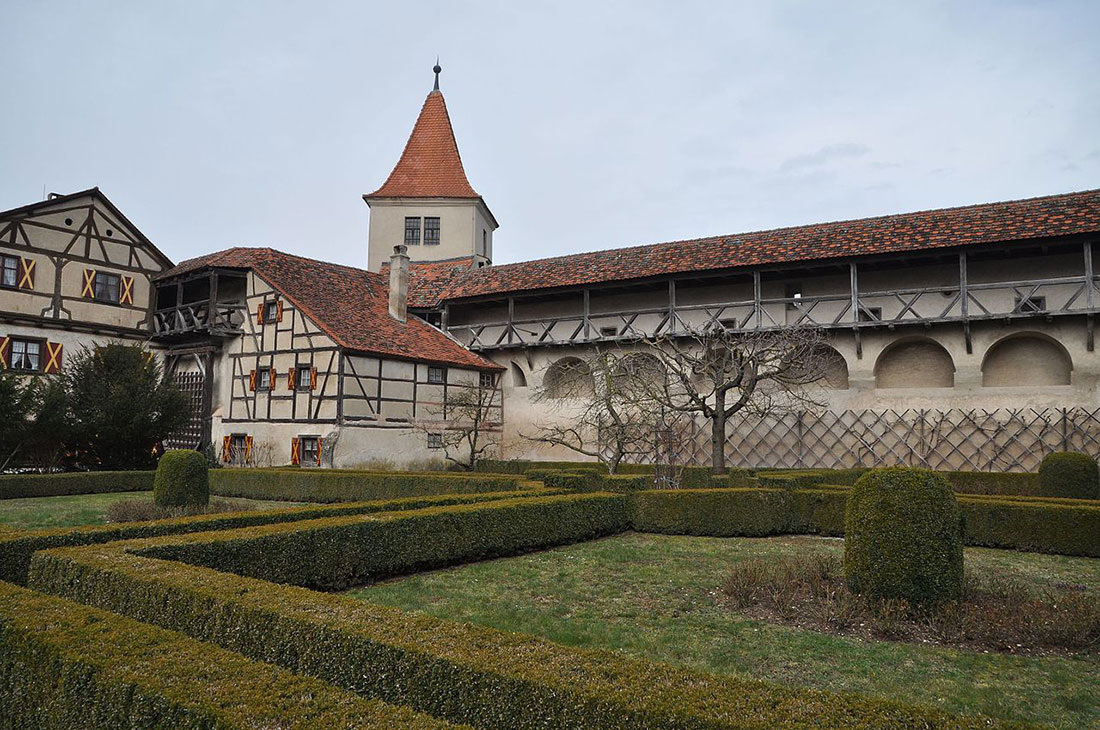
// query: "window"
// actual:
[[263, 379], [486, 380], [431, 231], [608, 331], [271, 312], [26, 355], [311, 449], [435, 441], [238, 449], [412, 231], [437, 374], [793, 291], [9, 271], [106, 287], [484, 242], [1030, 304], [870, 314], [729, 324], [304, 378]]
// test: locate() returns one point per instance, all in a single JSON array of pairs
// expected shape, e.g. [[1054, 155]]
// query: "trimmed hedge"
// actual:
[[1020, 484], [17, 486], [903, 537], [181, 480], [1064, 527], [491, 679], [321, 485], [17, 546], [341, 552], [1070, 475], [66, 666]]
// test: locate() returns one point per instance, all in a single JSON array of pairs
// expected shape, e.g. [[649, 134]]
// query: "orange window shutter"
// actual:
[[279, 310], [252, 380], [26, 273], [227, 448], [5, 353], [320, 445], [88, 292], [260, 313], [313, 378], [247, 449], [295, 451], [126, 290], [290, 379], [53, 357]]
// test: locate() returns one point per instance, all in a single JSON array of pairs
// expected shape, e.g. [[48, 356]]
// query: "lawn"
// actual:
[[88, 509], [656, 597]]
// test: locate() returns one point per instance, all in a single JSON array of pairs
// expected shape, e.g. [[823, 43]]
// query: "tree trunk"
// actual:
[[718, 435]]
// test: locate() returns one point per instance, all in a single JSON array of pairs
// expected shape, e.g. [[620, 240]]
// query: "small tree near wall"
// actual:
[[466, 428]]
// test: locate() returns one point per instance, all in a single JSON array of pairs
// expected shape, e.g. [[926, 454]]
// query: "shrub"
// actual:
[[66, 667], [903, 537], [182, 480], [713, 512], [15, 486], [17, 546], [985, 482], [326, 485], [1069, 474], [1064, 527], [494, 680]]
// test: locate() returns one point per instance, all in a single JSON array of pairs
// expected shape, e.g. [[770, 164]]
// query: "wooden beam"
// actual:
[[964, 299]]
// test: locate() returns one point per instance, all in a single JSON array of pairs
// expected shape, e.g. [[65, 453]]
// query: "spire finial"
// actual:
[[437, 68]]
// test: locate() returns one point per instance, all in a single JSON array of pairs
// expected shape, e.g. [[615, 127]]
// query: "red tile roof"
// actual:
[[350, 305], [1055, 215], [430, 166], [427, 279]]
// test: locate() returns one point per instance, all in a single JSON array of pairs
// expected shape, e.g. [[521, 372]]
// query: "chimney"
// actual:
[[399, 284]]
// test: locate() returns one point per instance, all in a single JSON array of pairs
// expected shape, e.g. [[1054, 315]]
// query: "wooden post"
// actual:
[[212, 305], [587, 316], [672, 306], [756, 297], [854, 283], [511, 318], [964, 298]]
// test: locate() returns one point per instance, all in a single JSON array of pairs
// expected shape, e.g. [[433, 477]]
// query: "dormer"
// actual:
[[427, 204]]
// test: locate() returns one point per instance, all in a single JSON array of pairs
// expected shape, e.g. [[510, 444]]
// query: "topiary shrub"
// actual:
[[1069, 474], [903, 537], [181, 480]]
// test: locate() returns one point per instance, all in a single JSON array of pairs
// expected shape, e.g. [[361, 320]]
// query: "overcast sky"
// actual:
[[585, 125]]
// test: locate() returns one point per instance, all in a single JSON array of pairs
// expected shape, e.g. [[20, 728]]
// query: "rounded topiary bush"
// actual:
[[181, 480], [1069, 474], [903, 537]]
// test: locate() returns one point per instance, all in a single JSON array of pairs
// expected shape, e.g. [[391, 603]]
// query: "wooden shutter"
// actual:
[[247, 449], [313, 378], [252, 380], [227, 450], [260, 313], [53, 357], [88, 292], [295, 451], [5, 353], [126, 290], [290, 378], [26, 273], [320, 443], [279, 310]]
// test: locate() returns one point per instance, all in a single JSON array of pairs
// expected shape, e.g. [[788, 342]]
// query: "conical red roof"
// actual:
[[430, 166]]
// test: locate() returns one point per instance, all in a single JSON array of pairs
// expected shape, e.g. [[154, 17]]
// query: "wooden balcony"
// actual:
[[206, 318]]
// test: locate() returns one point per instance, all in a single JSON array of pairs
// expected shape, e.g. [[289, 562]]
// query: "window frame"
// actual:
[[435, 440], [271, 311], [414, 229], [428, 240], [260, 387], [485, 380], [237, 450], [437, 375], [308, 457], [299, 370], [4, 259], [41, 355], [117, 291]]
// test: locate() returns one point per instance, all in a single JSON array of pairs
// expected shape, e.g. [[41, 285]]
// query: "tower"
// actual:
[[427, 204]]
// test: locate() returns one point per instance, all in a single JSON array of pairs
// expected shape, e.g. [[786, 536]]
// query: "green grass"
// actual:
[[656, 597], [89, 509]]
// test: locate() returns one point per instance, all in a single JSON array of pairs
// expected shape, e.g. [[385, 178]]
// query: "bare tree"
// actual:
[[467, 425], [597, 410], [717, 373]]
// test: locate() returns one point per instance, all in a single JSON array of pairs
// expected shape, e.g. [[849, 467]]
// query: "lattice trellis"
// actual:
[[1004, 439], [190, 436]]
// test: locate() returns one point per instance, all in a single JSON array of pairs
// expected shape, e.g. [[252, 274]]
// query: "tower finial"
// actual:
[[437, 68]]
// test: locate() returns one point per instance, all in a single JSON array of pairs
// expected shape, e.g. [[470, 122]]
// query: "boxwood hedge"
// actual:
[[1069, 474], [17, 546], [323, 485], [14, 486], [65, 666], [488, 678], [182, 479]]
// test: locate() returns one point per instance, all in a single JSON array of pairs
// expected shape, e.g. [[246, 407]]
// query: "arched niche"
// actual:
[[568, 377], [519, 378], [917, 363], [833, 368], [1029, 359]]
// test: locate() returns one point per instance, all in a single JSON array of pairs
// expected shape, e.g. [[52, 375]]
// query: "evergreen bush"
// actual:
[[181, 480], [903, 537], [1069, 474]]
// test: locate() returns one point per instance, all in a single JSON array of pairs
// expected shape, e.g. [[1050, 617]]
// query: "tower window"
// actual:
[[412, 231], [484, 242], [431, 231]]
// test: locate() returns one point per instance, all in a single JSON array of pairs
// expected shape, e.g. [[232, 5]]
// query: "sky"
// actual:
[[584, 125]]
